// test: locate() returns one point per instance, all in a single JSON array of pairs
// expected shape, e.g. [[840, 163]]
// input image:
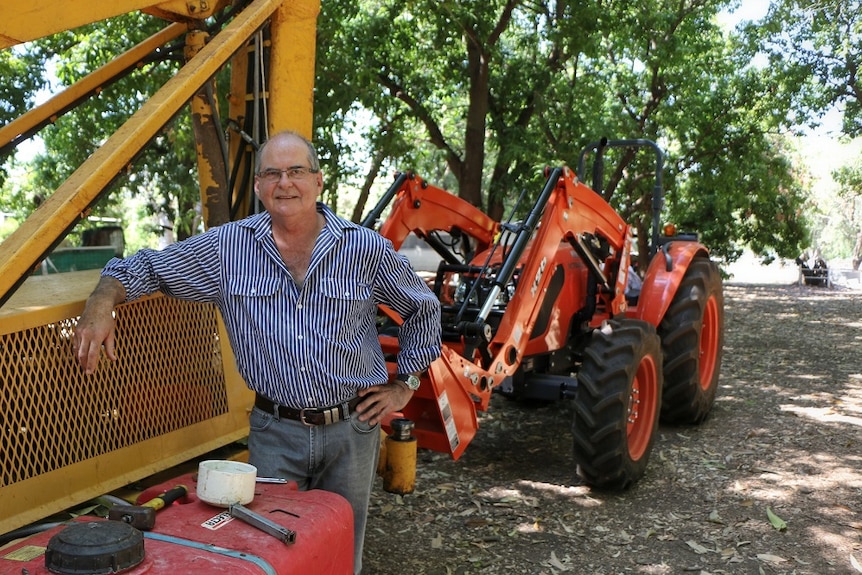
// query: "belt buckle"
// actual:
[[302, 416]]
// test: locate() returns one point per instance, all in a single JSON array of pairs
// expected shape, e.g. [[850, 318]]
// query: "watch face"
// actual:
[[412, 382]]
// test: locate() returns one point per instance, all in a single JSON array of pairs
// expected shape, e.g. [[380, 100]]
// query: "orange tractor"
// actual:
[[551, 308]]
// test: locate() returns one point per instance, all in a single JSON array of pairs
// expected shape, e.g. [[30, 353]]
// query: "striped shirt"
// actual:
[[307, 346]]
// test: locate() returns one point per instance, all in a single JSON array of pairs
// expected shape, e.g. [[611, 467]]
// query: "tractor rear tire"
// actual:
[[692, 336], [617, 404]]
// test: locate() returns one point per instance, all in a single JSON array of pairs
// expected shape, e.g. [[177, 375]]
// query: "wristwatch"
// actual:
[[410, 380]]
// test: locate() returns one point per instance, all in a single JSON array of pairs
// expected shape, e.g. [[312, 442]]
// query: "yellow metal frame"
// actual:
[[58, 298], [33, 306], [70, 202], [290, 106], [24, 21]]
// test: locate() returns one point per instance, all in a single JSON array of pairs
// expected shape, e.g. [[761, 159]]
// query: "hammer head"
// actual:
[[139, 517]]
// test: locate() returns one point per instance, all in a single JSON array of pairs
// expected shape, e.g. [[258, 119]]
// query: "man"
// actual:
[[298, 289]]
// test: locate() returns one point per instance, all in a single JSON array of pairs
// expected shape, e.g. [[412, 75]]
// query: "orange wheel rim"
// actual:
[[708, 343], [642, 408]]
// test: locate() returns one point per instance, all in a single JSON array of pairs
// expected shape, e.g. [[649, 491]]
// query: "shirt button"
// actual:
[[299, 306], [299, 337], [347, 293]]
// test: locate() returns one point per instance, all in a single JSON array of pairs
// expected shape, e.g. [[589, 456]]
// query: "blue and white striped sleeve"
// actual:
[[399, 287], [186, 270]]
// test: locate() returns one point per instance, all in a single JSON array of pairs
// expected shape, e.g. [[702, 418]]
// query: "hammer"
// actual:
[[143, 516]]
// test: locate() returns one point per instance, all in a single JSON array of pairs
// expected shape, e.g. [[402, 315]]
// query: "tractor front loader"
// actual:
[[539, 309]]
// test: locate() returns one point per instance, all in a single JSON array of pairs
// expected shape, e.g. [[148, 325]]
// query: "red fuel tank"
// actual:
[[191, 537]]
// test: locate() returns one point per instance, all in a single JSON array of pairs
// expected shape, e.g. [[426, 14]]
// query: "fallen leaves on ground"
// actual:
[[770, 483]]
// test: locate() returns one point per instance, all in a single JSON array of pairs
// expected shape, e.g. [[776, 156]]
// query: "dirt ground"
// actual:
[[771, 483]]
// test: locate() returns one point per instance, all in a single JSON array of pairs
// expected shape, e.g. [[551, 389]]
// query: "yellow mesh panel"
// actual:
[[169, 375], [65, 436]]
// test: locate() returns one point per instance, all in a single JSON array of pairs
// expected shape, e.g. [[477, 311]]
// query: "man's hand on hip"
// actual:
[[381, 400]]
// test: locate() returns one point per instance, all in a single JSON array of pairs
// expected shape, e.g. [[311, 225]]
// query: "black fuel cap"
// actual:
[[94, 548]]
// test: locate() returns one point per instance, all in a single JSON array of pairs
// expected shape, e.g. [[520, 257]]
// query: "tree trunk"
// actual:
[[376, 163], [857, 251], [470, 179]]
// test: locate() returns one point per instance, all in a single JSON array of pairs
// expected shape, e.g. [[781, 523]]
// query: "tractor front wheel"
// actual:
[[692, 337], [617, 403]]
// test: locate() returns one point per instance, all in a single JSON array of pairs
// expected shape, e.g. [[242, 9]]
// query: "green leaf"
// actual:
[[776, 521]]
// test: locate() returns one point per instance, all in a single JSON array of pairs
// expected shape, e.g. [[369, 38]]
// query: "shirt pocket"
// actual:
[[349, 309], [254, 300]]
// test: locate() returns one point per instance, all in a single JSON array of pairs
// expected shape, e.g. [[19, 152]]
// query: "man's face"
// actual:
[[284, 184]]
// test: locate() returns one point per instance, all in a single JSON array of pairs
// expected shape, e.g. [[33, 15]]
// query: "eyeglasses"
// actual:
[[273, 176]]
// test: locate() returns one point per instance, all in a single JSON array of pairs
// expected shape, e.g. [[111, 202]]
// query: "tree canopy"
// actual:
[[814, 51], [479, 95], [515, 85]]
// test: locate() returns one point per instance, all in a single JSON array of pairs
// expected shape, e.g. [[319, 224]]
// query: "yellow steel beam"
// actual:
[[22, 21], [212, 165], [23, 126], [291, 76], [69, 203], [241, 152]]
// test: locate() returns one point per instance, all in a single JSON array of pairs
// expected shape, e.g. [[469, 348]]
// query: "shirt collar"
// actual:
[[261, 223], [334, 225]]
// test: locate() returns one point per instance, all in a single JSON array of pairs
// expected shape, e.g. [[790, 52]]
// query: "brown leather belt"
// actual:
[[308, 415]]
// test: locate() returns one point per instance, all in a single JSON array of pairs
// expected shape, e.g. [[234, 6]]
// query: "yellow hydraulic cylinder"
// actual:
[[399, 473]]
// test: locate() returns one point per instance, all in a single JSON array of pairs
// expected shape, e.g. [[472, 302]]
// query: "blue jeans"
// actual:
[[340, 457]]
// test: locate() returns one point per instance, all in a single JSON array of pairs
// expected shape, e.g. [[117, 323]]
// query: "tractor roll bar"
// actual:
[[598, 174]]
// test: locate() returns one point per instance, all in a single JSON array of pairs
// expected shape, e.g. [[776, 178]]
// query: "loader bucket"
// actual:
[[443, 412]]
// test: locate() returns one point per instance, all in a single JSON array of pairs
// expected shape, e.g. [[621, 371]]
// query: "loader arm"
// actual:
[[486, 344], [573, 213], [443, 408], [420, 207]]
